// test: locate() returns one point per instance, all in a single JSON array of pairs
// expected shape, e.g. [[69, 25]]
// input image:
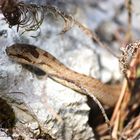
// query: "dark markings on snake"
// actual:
[[31, 49], [23, 57], [45, 54]]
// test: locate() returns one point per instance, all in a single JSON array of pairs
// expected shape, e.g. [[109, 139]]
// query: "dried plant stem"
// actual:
[[70, 21], [129, 31], [116, 125], [94, 37], [132, 129], [123, 92], [123, 100], [130, 51]]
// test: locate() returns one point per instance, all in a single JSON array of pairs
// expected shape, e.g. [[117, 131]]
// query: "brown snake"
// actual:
[[31, 55]]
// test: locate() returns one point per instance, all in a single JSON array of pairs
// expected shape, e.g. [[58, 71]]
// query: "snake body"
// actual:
[[31, 55]]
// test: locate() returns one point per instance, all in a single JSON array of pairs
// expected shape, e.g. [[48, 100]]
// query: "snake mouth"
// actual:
[[10, 53], [9, 50]]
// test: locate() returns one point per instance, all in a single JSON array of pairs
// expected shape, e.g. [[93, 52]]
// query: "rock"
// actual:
[[4, 136], [106, 31], [109, 67]]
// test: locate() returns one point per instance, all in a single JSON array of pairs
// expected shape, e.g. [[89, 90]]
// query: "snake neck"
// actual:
[[107, 94]]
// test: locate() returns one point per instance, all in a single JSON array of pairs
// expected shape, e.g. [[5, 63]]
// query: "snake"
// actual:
[[87, 85]]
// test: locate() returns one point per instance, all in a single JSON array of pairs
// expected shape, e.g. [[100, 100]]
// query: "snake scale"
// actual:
[[32, 55]]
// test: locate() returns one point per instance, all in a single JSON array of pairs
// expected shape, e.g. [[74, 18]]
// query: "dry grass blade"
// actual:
[[131, 51], [132, 129]]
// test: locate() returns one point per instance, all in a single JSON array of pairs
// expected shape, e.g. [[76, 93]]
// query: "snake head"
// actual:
[[22, 53]]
